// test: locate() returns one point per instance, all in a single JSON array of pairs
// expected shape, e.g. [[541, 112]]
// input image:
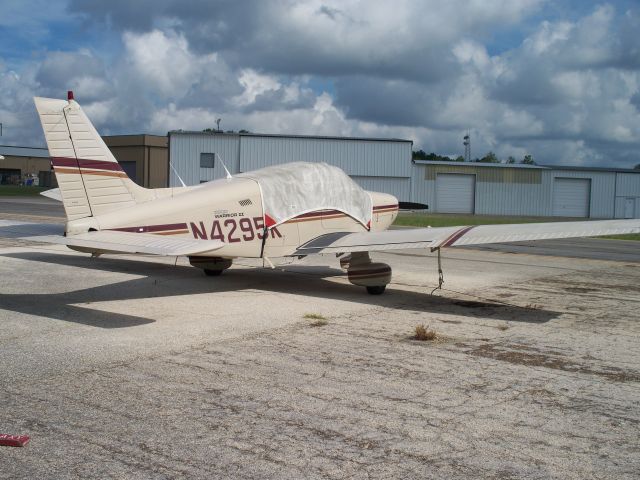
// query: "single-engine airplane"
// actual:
[[290, 210]]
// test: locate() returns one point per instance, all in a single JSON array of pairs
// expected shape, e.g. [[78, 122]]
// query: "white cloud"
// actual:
[[164, 62], [568, 91], [254, 84]]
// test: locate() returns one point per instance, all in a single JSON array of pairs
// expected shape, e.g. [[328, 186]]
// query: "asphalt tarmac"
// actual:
[[31, 206], [125, 367]]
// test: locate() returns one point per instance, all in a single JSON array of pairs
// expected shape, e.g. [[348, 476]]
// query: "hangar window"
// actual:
[[207, 160]]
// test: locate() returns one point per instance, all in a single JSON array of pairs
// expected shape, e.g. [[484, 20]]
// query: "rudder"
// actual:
[[90, 179]]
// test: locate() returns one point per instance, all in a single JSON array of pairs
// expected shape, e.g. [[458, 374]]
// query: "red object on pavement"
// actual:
[[13, 440]]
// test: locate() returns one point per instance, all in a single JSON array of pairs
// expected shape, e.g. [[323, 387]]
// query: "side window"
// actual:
[[207, 160]]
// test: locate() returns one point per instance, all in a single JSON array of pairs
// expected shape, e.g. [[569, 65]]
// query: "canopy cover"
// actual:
[[301, 187]]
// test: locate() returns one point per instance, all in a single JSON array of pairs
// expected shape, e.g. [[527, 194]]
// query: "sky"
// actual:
[[557, 80]]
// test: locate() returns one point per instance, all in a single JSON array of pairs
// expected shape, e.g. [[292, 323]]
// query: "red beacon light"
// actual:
[[70, 95]]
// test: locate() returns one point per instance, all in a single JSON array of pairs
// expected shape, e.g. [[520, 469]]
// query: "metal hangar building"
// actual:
[[526, 190], [385, 165], [382, 165]]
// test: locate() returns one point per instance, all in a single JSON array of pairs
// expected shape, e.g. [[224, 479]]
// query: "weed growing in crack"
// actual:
[[425, 333]]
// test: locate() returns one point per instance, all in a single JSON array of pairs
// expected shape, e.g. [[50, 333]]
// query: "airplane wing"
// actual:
[[342, 242], [108, 241]]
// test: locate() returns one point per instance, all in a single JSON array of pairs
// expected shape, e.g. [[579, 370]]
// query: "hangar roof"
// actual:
[[525, 166], [275, 135], [24, 151]]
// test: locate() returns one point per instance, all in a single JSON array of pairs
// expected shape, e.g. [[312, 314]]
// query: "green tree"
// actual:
[[489, 158], [511, 160], [528, 160], [459, 158], [637, 167], [434, 157], [419, 155]]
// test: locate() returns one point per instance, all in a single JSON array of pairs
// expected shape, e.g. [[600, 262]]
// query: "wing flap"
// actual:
[[459, 236], [142, 243]]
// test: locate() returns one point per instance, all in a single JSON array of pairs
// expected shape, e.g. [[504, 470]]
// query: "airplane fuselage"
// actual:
[[231, 211]]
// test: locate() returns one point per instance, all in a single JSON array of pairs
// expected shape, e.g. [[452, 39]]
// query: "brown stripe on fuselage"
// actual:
[[169, 228], [365, 271], [77, 171], [386, 210], [368, 275], [319, 215], [379, 207], [174, 232], [104, 174], [331, 214], [73, 171]]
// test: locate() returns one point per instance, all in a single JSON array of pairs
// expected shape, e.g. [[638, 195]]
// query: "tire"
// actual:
[[377, 290], [212, 273]]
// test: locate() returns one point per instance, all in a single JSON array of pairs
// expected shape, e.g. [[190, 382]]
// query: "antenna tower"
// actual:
[[467, 147]]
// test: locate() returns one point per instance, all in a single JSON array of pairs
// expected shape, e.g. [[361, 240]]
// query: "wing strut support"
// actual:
[[440, 272]]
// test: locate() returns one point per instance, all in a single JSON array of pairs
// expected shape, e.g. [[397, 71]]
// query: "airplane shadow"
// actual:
[[162, 280]]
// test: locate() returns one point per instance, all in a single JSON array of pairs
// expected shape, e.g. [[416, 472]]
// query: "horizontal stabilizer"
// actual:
[[458, 236], [108, 241], [53, 194]]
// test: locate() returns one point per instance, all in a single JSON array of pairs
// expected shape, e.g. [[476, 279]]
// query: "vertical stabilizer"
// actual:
[[90, 179]]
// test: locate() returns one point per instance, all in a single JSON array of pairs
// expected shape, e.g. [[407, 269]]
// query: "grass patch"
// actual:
[[503, 327], [407, 219], [320, 321], [627, 236], [425, 334], [18, 191]]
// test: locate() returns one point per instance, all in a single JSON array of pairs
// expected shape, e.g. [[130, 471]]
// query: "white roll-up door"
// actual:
[[455, 193], [571, 197]]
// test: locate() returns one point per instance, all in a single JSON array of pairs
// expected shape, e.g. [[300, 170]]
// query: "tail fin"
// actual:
[[90, 179]]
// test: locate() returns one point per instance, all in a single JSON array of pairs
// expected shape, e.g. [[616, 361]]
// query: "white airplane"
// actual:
[[290, 210]]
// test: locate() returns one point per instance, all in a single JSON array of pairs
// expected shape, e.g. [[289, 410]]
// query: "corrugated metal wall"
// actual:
[[627, 191], [185, 150], [355, 157], [513, 191], [398, 186], [376, 165]]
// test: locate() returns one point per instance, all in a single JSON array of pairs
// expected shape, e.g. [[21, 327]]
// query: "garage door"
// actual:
[[571, 197], [455, 193]]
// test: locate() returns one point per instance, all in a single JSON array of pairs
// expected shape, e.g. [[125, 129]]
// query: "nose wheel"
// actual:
[[211, 266], [377, 290]]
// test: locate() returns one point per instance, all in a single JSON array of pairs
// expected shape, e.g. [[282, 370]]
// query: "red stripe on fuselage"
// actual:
[[153, 228], [456, 236], [380, 207], [82, 163]]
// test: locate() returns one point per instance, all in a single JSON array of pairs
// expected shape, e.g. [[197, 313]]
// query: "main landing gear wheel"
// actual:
[[212, 273], [377, 290]]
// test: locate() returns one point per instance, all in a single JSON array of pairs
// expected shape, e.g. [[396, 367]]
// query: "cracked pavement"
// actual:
[[128, 368]]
